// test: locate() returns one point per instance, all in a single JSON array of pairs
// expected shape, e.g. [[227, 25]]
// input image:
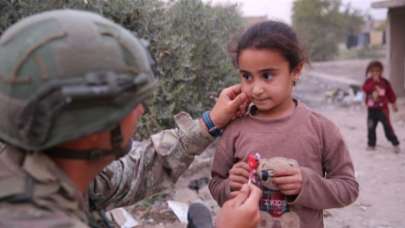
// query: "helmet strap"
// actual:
[[116, 141]]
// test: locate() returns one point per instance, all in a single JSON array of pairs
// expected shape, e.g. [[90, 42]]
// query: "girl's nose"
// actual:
[[257, 90]]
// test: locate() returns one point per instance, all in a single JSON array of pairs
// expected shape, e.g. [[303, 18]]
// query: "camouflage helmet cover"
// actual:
[[65, 74]]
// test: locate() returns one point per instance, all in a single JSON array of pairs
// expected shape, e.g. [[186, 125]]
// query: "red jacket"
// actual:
[[378, 98]]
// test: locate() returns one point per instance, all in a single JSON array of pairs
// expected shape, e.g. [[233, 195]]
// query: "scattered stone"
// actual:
[[363, 208], [199, 183]]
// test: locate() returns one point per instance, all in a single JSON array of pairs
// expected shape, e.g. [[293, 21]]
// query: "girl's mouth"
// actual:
[[260, 100]]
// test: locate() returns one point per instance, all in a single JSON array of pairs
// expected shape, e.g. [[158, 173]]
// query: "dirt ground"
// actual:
[[381, 173]]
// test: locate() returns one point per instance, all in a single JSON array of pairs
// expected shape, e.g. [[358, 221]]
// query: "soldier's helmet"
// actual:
[[68, 73]]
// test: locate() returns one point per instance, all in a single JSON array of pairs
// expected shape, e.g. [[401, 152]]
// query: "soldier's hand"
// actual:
[[288, 180], [238, 176], [231, 103], [241, 211]]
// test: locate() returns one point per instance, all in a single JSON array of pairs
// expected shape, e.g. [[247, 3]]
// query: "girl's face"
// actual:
[[266, 79], [375, 73]]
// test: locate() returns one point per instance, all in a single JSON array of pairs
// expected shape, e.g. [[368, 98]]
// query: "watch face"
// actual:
[[215, 132]]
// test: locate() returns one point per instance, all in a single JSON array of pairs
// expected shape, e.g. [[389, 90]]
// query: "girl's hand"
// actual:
[[238, 175], [380, 91], [288, 180]]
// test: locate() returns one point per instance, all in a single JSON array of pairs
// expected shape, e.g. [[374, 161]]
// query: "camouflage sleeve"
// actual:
[[20, 215], [151, 166]]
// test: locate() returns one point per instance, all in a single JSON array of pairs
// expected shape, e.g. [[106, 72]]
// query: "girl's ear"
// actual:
[[296, 73]]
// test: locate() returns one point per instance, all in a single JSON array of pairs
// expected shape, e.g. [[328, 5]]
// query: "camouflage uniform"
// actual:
[[64, 75], [151, 166], [36, 193]]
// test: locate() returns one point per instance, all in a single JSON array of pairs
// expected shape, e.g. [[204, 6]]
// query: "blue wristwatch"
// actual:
[[212, 129]]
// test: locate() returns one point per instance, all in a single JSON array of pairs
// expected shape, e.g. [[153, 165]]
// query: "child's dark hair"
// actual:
[[271, 35], [373, 64]]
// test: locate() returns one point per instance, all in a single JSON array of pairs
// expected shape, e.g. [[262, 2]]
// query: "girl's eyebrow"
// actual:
[[268, 69], [260, 71], [243, 71]]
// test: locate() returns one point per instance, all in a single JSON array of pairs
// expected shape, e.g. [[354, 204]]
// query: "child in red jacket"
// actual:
[[379, 93]]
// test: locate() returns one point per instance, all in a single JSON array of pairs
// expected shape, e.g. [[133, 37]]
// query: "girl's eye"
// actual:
[[267, 75], [246, 76]]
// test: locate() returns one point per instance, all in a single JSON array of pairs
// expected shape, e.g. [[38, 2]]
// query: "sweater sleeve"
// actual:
[[368, 86], [222, 163], [392, 98], [338, 187]]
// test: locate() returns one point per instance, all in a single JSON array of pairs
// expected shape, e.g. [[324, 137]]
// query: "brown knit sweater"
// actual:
[[306, 136]]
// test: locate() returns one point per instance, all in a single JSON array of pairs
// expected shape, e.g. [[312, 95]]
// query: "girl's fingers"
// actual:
[[288, 187], [290, 192], [238, 179], [286, 172], [239, 172], [242, 165], [286, 180], [240, 169], [235, 186]]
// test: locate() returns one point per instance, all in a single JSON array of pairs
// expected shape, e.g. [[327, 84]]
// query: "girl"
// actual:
[[270, 60], [379, 93]]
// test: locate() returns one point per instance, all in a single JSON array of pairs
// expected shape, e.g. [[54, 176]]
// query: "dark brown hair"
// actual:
[[373, 64], [273, 35]]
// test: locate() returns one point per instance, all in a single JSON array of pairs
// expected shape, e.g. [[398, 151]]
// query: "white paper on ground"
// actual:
[[123, 218], [180, 210]]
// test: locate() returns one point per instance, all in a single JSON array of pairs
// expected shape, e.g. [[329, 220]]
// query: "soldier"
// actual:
[[72, 88]]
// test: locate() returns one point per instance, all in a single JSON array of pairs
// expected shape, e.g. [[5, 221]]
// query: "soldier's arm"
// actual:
[[151, 166], [155, 164]]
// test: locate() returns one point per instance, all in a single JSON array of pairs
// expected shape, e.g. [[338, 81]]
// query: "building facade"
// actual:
[[396, 43]]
